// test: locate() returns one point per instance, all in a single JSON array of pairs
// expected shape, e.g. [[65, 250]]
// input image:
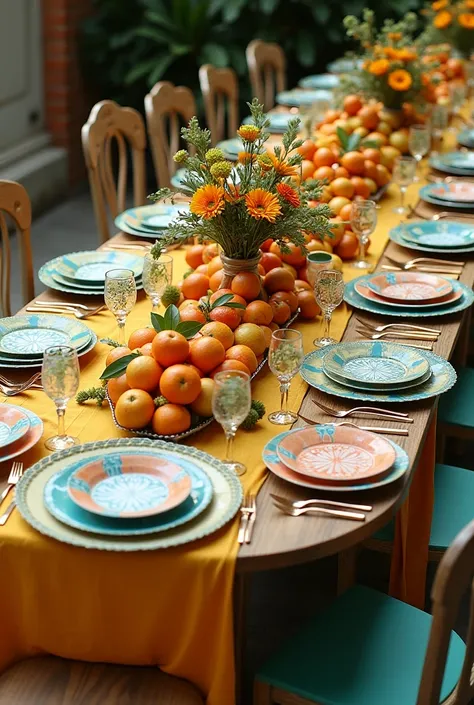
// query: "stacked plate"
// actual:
[[233, 147], [466, 138], [457, 163], [344, 65], [324, 81], [302, 98], [128, 495], [20, 430], [23, 339], [335, 458], [83, 273], [435, 236], [150, 222], [278, 121], [457, 194]]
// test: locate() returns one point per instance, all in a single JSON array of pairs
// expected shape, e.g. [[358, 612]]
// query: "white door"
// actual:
[[21, 71]]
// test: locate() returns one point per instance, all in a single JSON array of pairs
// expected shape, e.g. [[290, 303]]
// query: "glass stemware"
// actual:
[[404, 170], [419, 142], [363, 223], [231, 400], [60, 377], [458, 93], [120, 296], [439, 123], [329, 292], [284, 360], [157, 274]]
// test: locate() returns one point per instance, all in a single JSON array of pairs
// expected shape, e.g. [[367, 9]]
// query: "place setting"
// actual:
[[321, 81], [466, 138], [440, 236], [459, 163], [20, 430], [455, 194], [152, 221], [302, 98]]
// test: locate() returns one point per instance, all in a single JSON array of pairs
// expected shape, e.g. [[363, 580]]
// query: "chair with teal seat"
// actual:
[[370, 649], [456, 408]]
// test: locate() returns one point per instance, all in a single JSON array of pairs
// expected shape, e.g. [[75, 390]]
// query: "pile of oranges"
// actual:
[[441, 71]]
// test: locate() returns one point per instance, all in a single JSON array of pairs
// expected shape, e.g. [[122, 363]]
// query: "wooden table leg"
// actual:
[[346, 569], [240, 598]]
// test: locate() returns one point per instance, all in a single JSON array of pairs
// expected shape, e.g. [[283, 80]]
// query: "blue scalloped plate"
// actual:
[[29, 335], [466, 138], [88, 268], [427, 193], [325, 81], [297, 98], [457, 163], [20, 363], [344, 65], [415, 235]]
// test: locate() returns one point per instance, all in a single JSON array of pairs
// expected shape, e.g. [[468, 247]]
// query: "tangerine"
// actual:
[[170, 348], [302, 285], [258, 312], [251, 335], [242, 353], [270, 261], [235, 298], [295, 257], [247, 285], [372, 154], [267, 332], [202, 269], [337, 229], [140, 337], [181, 384], [206, 353], [361, 187], [146, 349], [307, 149], [210, 252], [324, 172], [352, 104], [341, 171], [289, 297], [215, 281], [370, 169], [116, 354], [383, 175], [369, 116], [307, 169], [230, 365], [202, 406], [336, 203], [281, 311], [342, 187], [279, 279], [348, 247], [191, 313], [188, 364], [221, 331], [345, 212], [195, 286], [194, 256], [353, 162], [309, 307], [265, 246], [225, 314], [134, 409], [170, 419], [323, 157], [214, 265], [143, 372], [117, 386]]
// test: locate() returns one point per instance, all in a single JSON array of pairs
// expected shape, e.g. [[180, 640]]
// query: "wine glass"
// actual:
[[458, 93], [419, 142], [329, 292], [469, 67], [231, 399], [363, 223], [157, 274], [439, 122], [284, 359], [60, 378], [120, 296], [404, 170]]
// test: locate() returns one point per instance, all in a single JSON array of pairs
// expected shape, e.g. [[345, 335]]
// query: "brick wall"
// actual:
[[67, 104]]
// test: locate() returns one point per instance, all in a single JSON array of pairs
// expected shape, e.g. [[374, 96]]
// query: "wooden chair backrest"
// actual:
[[14, 202], [267, 68], [220, 90], [110, 127], [453, 579], [164, 105]]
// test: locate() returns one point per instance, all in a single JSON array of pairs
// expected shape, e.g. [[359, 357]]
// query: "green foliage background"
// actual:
[[128, 45]]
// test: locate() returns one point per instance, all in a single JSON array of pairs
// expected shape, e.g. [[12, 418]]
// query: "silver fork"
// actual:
[[425, 270], [372, 429], [245, 511], [75, 312], [408, 326], [60, 304], [15, 473], [9, 383], [339, 513], [416, 261], [365, 411], [12, 391], [397, 334], [301, 504]]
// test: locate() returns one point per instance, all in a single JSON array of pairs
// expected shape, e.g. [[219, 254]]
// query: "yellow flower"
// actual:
[[469, 4], [439, 5], [466, 20], [400, 80], [214, 155], [221, 170], [289, 194], [390, 52], [262, 204], [249, 133], [379, 67], [443, 19], [406, 54], [246, 157], [208, 201], [283, 168], [265, 162]]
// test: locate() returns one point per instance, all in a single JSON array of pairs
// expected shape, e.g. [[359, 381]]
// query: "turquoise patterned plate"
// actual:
[[456, 163], [36, 361], [326, 81], [278, 121], [428, 194], [466, 138], [49, 270], [387, 309], [430, 236], [297, 98], [30, 439], [225, 502], [344, 65], [375, 363], [14, 423], [274, 464], [30, 335], [380, 387], [158, 216], [443, 376], [83, 287], [89, 268]]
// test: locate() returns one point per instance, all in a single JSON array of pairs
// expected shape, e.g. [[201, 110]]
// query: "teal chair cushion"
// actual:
[[366, 649], [456, 407], [453, 506]]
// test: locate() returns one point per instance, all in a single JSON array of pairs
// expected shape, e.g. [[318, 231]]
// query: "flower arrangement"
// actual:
[[392, 69], [453, 22], [241, 206]]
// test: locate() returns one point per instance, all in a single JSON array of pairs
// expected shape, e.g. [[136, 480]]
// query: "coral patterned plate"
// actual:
[[361, 286], [408, 287], [460, 191], [14, 424], [336, 454]]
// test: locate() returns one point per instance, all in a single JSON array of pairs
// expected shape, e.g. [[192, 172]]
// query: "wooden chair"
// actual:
[[110, 127], [369, 648], [15, 203], [164, 105], [48, 680], [267, 68], [219, 86]]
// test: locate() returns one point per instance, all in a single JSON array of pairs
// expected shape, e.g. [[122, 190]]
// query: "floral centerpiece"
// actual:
[[453, 22], [241, 206]]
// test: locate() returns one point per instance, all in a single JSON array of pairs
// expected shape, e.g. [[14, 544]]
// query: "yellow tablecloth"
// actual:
[[172, 608]]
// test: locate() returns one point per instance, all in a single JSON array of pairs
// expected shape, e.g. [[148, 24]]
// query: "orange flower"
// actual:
[[262, 204], [208, 201], [233, 193], [406, 54], [439, 5], [469, 4], [289, 194], [246, 157], [466, 19], [400, 80], [443, 19], [390, 52], [396, 36], [379, 67], [283, 168]]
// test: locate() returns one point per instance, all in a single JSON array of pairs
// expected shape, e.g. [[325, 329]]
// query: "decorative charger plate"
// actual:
[[409, 287], [376, 363], [353, 298], [128, 485], [456, 191], [344, 65], [274, 464], [443, 377], [46, 276], [89, 268], [296, 98], [226, 499], [379, 387], [157, 216], [428, 194], [336, 454], [466, 138], [60, 505], [14, 424], [326, 81], [12, 362], [430, 236], [31, 334], [30, 439], [450, 163], [362, 288]]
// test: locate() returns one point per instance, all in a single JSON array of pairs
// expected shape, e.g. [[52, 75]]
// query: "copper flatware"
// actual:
[[425, 262], [408, 326], [301, 504], [425, 270], [371, 411], [374, 429], [10, 383], [60, 304], [396, 334]]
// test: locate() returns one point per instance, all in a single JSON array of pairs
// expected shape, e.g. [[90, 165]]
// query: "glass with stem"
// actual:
[[284, 360], [60, 378], [157, 274], [363, 223], [329, 292], [404, 170], [458, 93], [419, 143], [469, 68], [231, 400], [120, 296], [439, 123]]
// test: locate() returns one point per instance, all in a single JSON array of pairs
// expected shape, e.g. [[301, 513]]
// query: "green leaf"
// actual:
[[140, 70], [343, 137], [189, 328], [222, 300], [353, 142], [157, 35], [171, 317], [234, 304], [118, 367], [158, 322], [370, 143], [161, 63], [268, 6]]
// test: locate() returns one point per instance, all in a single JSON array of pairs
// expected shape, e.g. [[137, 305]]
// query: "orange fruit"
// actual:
[[202, 406], [143, 373], [307, 149], [210, 252], [219, 330], [134, 409], [225, 314], [214, 265], [341, 171], [369, 116], [191, 313], [261, 270], [116, 354], [348, 247], [258, 312], [372, 154], [230, 365], [337, 203], [202, 269], [247, 285], [146, 349], [361, 188], [353, 162], [378, 138], [141, 336], [337, 229], [188, 302], [275, 249], [279, 279], [307, 169], [302, 285], [309, 307], [323, 157], [295, 257], [117, 386], [242, 353], [352, 104], [270, 261], [252, 336], [235, 299], [324, 172], [345, 212], [314, 246], [215, 281], [171, 418], [383, 175], [371, 184], [180, 384], [206, 353], [343, 187], [196, 369], [193, 256], [267, 332], [195, 286], [370, 169], [281, 311], [289, 297], [265, 246], [170, 348]]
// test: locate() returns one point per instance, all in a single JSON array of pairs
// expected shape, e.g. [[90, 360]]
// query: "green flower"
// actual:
[[214, 155], [265, 162], [181, 156], [221, 170]]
